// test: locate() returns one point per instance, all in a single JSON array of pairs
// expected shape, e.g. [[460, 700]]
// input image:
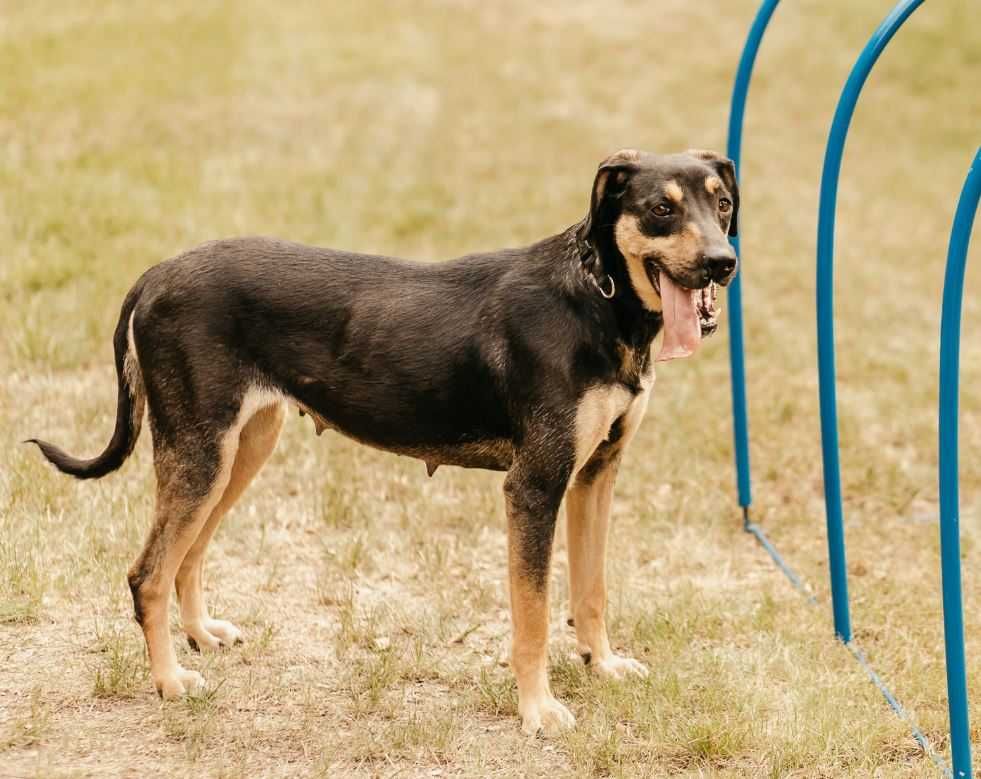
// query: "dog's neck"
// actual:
[[601, 258]]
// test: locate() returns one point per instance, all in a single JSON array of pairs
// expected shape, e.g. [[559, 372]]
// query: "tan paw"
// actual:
[[545, 715], [224, 631], [179, 683], [210, 635], [200, 639], [619, 667]]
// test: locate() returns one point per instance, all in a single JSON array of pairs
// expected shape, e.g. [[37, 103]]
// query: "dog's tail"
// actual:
[[130, 405]]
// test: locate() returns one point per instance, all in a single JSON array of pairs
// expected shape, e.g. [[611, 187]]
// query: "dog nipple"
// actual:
[[319, 423]]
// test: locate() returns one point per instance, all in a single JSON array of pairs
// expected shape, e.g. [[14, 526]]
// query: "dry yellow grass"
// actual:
[[373, 598]]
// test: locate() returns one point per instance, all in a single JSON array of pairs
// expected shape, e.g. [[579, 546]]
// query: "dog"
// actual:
[[534, 361]]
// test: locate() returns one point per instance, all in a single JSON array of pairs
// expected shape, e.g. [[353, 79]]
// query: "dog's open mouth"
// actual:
[[689, 314], [708, 314]]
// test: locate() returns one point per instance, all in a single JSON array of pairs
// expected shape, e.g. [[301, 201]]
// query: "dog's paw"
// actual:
[[200, 639], [545, 715], [619, 667], [225, 632], [179, 683], [210, 635]]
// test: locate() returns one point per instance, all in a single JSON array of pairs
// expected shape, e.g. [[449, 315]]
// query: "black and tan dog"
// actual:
[[534, 361]]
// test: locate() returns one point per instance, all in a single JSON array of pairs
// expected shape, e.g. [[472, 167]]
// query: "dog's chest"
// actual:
[[609, 412]]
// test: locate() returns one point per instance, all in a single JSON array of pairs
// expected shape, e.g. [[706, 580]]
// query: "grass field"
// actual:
[[373, 598]]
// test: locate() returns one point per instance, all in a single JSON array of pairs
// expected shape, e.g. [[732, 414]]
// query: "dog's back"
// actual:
[[394, 353]]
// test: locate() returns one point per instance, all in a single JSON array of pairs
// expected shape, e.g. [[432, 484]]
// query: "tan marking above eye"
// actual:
[[712, 184], [673, 191]]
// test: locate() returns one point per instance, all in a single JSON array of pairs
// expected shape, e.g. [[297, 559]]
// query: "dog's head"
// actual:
[[663, 219]]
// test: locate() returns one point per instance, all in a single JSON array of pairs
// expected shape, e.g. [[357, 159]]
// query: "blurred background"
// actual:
[[430, 129]]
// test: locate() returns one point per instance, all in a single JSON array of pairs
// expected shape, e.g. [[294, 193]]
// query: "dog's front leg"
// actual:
[[587, 509], [533, 497]]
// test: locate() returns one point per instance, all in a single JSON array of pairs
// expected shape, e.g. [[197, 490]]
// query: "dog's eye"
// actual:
[[725, 205], [662, 209]]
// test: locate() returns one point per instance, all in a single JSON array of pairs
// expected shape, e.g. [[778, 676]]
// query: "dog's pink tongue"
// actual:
[[682, 329]]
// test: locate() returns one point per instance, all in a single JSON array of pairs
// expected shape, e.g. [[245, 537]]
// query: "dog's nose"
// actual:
[[719, 267]]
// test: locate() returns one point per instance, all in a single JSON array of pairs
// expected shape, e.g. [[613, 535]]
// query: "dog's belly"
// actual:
[[490, 454], [430, 444]]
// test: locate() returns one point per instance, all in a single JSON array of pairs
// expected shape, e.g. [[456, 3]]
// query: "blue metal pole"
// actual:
[[737, 366], [825, 307], [950, 562]]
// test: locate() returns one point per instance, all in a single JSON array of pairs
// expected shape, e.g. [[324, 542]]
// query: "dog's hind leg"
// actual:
[[256, 442], [191, 479]]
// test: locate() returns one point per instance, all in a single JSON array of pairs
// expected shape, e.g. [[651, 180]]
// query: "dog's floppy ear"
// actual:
[[726, 170], [610, 178]]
